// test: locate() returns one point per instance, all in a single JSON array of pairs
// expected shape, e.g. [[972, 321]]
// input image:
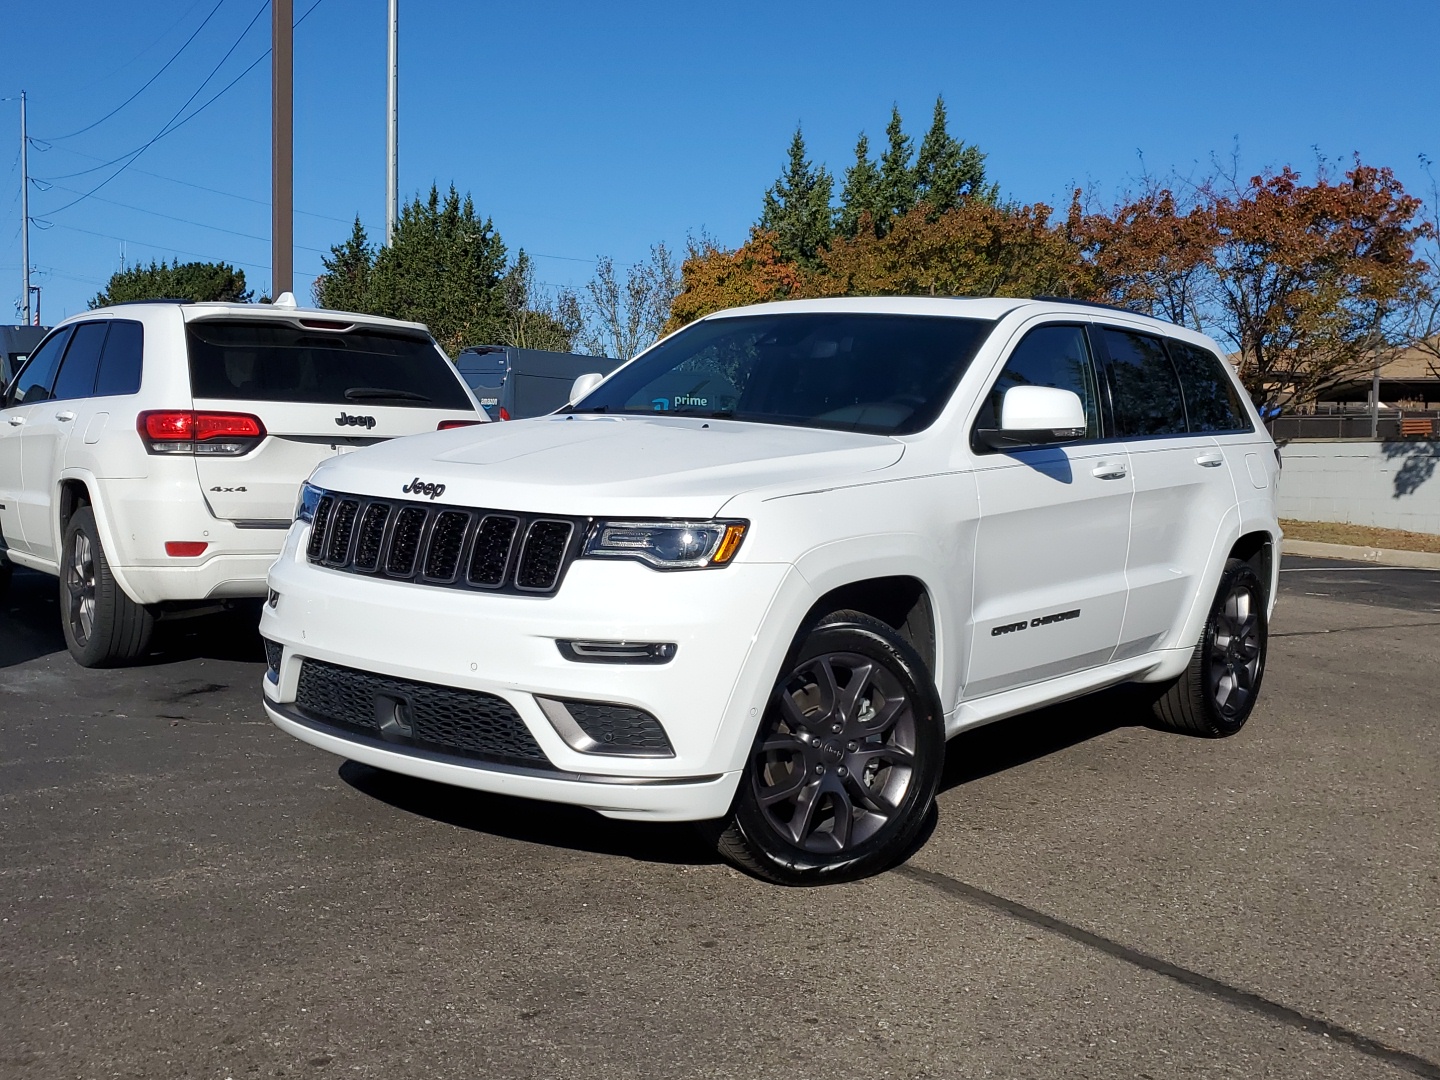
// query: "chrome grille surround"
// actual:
[[454, 547]]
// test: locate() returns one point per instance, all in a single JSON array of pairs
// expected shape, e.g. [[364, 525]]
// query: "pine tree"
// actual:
[[947, 171], [446, 268], [897, 178], [198, 281], [345, 285], [861, 194], [797, 208]]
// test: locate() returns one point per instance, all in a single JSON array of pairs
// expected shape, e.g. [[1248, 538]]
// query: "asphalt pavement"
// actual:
[[187, 892]]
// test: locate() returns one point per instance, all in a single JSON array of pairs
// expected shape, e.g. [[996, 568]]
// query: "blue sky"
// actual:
[[588, 129]]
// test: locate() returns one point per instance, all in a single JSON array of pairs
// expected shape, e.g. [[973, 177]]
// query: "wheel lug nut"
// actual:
[[837, 728], [852, 747], [819, 770], [841, 770]]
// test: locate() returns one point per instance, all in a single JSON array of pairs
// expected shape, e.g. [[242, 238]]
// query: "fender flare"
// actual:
[[103, 525]]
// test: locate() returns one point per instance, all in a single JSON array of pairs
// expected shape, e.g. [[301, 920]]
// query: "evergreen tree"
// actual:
[[797, 208], [345, 285], [444, 267], [198, 281], [897, 178], [861, 194], [947, 171]]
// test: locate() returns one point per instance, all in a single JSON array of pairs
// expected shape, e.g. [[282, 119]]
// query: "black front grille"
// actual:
[[450, 546], [467, 723]]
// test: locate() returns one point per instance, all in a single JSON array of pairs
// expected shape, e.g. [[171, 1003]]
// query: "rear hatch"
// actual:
[[318, 388]]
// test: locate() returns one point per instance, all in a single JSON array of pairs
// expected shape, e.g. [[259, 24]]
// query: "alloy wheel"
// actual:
[[838, 752], [1234, 661], [80, 583]]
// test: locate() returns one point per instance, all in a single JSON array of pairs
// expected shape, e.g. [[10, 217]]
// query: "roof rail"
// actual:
[[1088, 303], [151, 300]]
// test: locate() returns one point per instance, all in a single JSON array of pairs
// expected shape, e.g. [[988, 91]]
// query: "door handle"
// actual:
[[1210, 459], [66, 415], [1109, 470], [16, 421]]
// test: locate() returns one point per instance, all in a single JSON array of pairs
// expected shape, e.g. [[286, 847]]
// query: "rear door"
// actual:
[[485, 371], [1182, 488], [317, 388], [23, 400]]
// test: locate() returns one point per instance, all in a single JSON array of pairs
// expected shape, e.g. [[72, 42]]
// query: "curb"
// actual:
[[1420, 560]]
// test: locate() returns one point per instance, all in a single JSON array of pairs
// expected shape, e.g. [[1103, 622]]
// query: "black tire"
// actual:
[[103, 626], [7, 571], [839, 781], [1217, 692]]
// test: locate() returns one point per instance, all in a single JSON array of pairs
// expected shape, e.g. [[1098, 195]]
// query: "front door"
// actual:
[[1049, 595]]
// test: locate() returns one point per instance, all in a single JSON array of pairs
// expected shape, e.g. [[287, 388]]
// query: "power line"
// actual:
[[148, 81], [187, 221], [116, 71], [185, 183], [163, 247], [170, 130], [161, 133]]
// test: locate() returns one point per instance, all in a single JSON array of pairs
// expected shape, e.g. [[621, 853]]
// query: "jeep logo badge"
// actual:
[[346, 420], [419, 487]]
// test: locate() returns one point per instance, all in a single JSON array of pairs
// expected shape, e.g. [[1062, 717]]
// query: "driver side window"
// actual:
[[1057, 356]]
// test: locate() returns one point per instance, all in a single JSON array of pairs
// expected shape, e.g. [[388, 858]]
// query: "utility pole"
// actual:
[[282, 150], [392, 127], [24, 209]]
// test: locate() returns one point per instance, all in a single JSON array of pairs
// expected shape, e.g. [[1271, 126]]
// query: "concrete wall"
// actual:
[[1392, 485]]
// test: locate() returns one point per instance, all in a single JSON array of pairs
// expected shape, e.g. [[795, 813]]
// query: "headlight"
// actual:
[[667, 545], [309, 499]]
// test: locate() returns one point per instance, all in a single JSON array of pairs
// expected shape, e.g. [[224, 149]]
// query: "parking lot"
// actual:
[[185, 891]]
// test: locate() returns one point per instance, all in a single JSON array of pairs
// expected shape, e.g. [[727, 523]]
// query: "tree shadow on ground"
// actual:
[[1418, 461], [969, 756]]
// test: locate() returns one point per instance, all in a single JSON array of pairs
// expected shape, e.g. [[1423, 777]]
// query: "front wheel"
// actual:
[[846, 763], [1217, 691], [103, 626]]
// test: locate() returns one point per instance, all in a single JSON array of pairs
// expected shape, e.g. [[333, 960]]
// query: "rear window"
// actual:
[[253, 360], [1210, 398]]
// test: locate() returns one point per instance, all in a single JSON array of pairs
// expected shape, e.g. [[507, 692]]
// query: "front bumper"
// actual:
[[709, 697]]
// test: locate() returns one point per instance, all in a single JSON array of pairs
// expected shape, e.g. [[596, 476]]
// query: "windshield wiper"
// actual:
[[374, 393], [589, 409]]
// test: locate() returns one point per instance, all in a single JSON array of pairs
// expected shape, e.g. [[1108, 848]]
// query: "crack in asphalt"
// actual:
[[1354, 629], [1222, 991]]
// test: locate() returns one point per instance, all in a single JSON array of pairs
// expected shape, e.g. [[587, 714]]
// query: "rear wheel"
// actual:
[[103, 626], [846, 763], [7, 571], [1217, 692]]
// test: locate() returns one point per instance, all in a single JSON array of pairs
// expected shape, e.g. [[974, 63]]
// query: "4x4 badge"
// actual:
[[419, 487]]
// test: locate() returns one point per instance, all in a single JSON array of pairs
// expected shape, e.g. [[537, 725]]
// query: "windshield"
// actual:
[[885, 374], [255, 360]]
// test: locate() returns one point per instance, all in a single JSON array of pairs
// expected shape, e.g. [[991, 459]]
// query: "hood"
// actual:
[[611, 465]]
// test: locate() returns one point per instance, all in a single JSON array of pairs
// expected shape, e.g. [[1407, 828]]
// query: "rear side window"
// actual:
[[1055, 356], [1210, 398], [82, 361], [253, 360], [483, 371], [120, 363], [1144, 392], [38, 375]]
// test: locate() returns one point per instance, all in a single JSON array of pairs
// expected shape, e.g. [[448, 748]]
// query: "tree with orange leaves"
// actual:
[[713, 278]]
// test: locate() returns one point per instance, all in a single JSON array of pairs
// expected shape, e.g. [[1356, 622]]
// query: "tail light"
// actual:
[[446, 425], [504, 413], [166, 431]]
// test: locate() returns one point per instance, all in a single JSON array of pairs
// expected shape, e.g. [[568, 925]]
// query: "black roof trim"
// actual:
[[1090, 303], [153, 300]]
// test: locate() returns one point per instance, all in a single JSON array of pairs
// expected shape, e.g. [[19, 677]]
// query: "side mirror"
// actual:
[[1036, 416], [585, 383]]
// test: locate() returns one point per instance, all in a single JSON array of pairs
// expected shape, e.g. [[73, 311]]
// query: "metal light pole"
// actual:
[[282, 150], [24, 210], [392, 127]]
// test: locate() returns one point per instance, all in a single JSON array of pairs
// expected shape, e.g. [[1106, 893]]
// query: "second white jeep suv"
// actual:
[[150, 453], [759, 574]]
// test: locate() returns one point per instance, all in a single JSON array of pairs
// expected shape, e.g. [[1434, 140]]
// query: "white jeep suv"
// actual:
[[150, 453], [761, 573]]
